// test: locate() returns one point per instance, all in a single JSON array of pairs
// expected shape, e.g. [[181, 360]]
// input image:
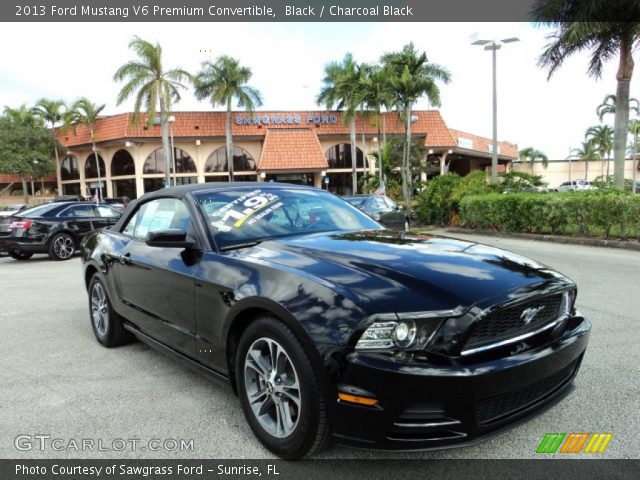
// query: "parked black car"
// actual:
[[54, 228], [329, 326], [382, 209]]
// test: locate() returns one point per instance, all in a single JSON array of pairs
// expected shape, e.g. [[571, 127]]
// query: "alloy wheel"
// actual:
[[99, 309], [272, 387], [63, 246]]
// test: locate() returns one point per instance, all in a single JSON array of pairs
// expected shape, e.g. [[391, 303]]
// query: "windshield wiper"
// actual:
[[237, 246]]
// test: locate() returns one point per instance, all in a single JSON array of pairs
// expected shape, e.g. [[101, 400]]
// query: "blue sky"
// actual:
[[67, 60]]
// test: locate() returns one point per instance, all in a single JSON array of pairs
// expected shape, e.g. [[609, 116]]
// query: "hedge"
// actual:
[[585, 213]]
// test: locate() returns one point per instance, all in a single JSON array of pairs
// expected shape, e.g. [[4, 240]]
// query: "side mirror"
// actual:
[[399, 208], [170, 238]]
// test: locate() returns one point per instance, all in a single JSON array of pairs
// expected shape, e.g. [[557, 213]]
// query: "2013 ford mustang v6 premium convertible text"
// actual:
[[327, 325]]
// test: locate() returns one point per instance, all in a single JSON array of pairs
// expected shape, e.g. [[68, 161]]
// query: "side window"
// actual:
[[79, 211], [108, 212], [160, 214], [379, 204]]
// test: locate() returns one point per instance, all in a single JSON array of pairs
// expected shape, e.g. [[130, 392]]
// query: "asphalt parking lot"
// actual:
[[58, 381]]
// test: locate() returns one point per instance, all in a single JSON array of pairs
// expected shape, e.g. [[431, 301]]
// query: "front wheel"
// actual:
[[280, 392], [106, 323], [62, 246], [17, 255]]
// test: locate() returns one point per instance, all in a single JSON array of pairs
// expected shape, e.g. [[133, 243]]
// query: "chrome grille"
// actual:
[[506, 323]]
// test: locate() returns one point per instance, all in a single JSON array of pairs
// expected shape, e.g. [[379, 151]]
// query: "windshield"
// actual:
[[245, 216], [356, 201]]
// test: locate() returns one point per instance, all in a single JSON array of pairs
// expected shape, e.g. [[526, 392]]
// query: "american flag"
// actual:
[[380, 190]]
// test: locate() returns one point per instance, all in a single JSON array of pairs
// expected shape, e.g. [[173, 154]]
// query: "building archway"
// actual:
[[216, 168], [123, 173], [153, 170]]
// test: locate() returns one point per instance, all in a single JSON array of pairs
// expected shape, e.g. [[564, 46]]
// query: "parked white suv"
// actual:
[[575, 185]]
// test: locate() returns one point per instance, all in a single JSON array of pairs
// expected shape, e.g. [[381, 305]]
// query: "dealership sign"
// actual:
[[276, 119]]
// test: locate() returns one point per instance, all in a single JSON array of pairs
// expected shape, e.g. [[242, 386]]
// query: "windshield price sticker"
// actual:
[[236, 213]]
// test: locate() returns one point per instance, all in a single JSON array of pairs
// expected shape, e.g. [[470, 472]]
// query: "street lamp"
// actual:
[[494, 46]]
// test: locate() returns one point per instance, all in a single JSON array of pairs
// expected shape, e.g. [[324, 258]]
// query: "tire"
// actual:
[[62, 246], [288, 413], [17, 255], [106, 323]]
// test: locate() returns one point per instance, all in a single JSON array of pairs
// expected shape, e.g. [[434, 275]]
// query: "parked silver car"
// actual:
[[575, 186]]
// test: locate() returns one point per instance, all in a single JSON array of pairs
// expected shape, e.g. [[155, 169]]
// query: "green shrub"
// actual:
[[589, 213]]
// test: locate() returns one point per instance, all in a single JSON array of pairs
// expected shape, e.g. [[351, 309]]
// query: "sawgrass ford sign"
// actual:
[[276, 119]]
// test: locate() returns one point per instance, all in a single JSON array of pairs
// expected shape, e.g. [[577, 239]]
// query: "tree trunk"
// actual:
[[354, 155], [621, 123], [379, 154], [586, 170], [25, 192], [166, 150], [95, 156], [634, 162], [406, 190], [229, 140]]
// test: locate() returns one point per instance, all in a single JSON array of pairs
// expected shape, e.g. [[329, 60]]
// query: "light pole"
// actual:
[[494, 46]]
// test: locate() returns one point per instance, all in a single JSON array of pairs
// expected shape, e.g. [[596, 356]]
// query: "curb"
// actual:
[[589, 242]]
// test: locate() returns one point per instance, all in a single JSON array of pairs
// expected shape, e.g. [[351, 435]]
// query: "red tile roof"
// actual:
[[481, 144], [291, 149], [428, 123]]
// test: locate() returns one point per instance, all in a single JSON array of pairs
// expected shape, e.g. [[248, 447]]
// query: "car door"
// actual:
[[157, 283], [390, 216], [78, 219], [105, 216]]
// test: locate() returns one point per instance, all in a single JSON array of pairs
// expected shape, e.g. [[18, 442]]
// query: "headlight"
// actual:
[[400, 334]]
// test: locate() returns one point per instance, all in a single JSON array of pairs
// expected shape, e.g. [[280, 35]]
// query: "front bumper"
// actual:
[[425, 406]]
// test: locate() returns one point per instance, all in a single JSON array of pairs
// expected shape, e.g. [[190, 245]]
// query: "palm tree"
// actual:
[[532, 155], [577, 30], [154, 87], [51, 112], [341, 89], [85, 112], [602, 138], [586, 153], [608, 105], [412, 77], [23, 116], [375, 94], [224, 81], [634, 129]]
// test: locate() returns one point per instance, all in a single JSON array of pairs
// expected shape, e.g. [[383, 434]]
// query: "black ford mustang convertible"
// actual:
[[327, 325]]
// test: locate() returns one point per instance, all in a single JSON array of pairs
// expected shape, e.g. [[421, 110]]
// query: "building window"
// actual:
[[339, 156], [122, 164], [71, 189], [155, 162], [125, 188], [153, 184], [217, 161], [69, 168], [91, 169]]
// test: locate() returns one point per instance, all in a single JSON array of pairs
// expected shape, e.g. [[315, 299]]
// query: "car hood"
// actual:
[[396, 272]]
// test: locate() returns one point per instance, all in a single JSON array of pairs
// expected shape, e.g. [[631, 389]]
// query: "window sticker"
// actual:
[[250, 207]]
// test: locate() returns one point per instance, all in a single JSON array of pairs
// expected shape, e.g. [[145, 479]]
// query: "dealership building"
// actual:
[[305, 147]]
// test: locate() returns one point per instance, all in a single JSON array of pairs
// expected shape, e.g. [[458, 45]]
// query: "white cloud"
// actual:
[[67, 60]]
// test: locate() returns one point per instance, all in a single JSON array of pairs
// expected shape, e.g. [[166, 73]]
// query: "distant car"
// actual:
[[55, 228], [70, 198], [575, 186], [117, 202], [9, 210], [382, 209]]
